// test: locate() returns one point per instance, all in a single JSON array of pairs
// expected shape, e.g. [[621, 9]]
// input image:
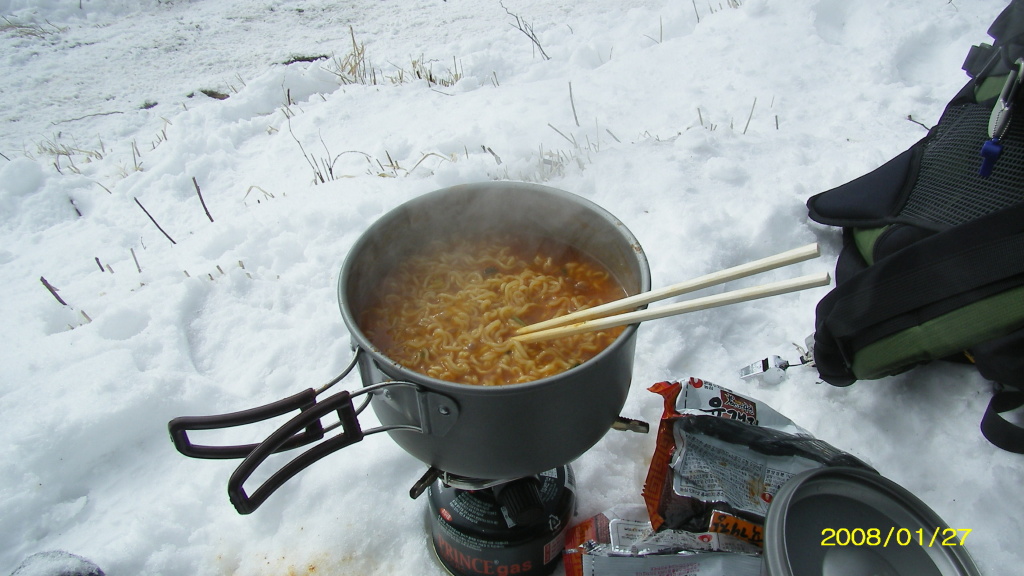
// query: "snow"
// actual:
[[704, 127]]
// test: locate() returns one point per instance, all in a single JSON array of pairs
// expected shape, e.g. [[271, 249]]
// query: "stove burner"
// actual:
[[455, 481]]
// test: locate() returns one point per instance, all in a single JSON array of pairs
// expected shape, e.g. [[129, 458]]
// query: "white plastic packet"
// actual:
[[614, 543]]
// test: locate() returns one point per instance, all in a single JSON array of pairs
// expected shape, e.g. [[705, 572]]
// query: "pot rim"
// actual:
[[360, 342]]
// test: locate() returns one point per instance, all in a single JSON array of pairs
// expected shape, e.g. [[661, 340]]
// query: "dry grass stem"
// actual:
[[29, 30]]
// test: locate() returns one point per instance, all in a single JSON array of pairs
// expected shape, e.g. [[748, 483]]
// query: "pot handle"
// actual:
[[350, 434], [179, 427], [303, 401], [433, 413], [283, 439]]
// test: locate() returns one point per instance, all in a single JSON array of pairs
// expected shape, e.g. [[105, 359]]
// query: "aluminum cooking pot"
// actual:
[[482, 432]]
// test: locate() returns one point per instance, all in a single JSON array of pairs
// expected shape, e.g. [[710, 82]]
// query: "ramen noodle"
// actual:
[[450, 309]]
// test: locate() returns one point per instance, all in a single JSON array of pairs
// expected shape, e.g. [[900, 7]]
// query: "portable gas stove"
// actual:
[[499, 527]]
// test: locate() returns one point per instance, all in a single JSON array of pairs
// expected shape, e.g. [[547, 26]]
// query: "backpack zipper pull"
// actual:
[[999, 121]]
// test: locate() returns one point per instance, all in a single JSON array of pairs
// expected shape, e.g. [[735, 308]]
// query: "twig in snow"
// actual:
[[911, 118], [99, 264], [491, 152], [56, 122], [570, 140], [52, 290], [137, 267], [661, 32], [201, 201], [153, 220], [573, 103], [323, 169], [747, 125], [135, 156], [527, 29]]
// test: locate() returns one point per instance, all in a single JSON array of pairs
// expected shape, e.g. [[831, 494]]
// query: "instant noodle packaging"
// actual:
[[720, 458]]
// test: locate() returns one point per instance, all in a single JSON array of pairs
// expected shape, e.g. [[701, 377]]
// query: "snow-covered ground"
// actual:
[[703, 126]]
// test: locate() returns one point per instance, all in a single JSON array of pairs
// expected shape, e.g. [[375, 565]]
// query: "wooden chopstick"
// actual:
[[743, 270], [736, 296]]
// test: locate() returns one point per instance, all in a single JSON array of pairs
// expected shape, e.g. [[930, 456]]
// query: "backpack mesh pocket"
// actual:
[[948, 190]]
